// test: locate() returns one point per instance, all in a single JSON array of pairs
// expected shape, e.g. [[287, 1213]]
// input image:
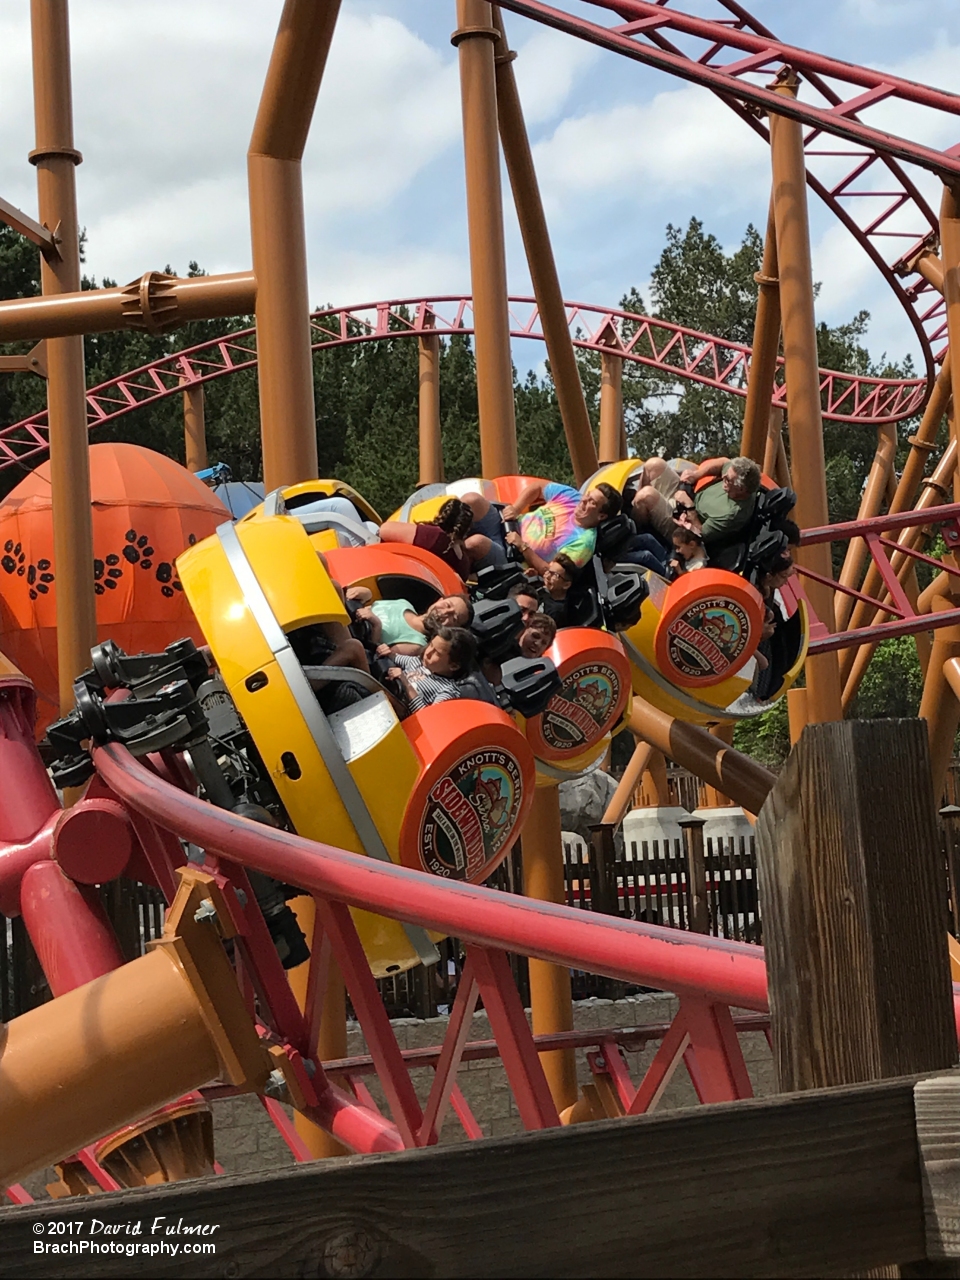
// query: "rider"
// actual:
[[396, 623], [552, 518]]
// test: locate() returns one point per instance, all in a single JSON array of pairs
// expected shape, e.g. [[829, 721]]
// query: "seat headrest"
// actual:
[[612, 534], [496, 624]]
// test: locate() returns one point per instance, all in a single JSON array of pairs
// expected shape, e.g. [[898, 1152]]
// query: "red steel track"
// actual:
[[854, 167], [667, 348]]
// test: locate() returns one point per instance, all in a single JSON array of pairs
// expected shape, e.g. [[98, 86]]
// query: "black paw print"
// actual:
[[139, 551], [13, 558], [106, 573], [40, 577]]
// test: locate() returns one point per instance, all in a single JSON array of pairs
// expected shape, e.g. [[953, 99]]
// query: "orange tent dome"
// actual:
[[146, 510]]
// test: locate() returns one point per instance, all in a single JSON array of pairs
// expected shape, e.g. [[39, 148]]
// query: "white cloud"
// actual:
[[547, 67], [354, 277], [682, 140], [165, 94]]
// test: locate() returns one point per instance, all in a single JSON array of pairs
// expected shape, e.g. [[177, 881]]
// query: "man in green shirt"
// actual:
[[720, 510]]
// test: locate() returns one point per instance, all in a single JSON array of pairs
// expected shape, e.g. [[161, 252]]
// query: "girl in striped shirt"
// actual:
[[434, 676]]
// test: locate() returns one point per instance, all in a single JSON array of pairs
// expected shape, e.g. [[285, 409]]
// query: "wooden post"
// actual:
[[604, 895], [697, 912], [853, 897]]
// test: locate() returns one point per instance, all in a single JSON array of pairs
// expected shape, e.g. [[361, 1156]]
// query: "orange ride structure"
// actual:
[[305, 847]]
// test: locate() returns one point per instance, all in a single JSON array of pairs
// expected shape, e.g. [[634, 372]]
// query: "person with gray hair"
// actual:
[[718, 511]]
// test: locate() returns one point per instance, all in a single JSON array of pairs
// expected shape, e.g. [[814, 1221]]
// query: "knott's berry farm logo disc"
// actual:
[[578, 715], [707, 639], [471, 814]]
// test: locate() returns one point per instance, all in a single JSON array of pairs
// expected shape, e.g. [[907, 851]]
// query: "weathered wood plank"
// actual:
[[854, 911], [814, 1184], [937, 1103]]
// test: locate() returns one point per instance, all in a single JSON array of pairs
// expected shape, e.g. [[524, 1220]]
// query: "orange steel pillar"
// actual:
[[540, 260], [654, 786], [332, 1041], [288, 426], [934, 493], [736, 775], [766, 345], [56, 160], [803, 390], [611, 407], [194, 427], [474, 40], [771, 450], [431, 449], [921, 446], [940, 705], [713, 797], [97, 1058], [796, 713], [950, 253], [622, 799], [114, 1050], [551, 1002], [870, 504]]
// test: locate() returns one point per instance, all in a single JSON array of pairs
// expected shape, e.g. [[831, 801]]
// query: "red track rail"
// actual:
[[854, 168], [729, 972], [667, 348], [715, 969]]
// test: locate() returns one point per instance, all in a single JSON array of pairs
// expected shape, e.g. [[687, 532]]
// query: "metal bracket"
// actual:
[[35, 361], [47, 241]]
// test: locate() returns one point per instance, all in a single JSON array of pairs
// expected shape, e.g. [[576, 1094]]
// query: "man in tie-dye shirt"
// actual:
[[553, 519]]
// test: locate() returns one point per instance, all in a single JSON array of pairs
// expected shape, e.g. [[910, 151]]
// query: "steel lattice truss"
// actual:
[[670, 349], [856, 168]]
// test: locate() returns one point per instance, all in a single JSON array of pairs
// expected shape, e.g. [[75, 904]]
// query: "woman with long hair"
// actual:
[[445, 536]]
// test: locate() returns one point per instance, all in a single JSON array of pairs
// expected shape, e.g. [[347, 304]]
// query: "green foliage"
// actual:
[[893, 683], [766, 738]]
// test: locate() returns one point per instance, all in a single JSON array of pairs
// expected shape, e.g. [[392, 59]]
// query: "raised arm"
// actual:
[[712, 467], [530, 496]]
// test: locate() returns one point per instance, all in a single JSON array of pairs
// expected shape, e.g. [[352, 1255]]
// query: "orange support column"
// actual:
[[940, 705], [56, 159], [288, 426], [611, 407], [713, 797], [950, 253], [870, 505], [332, 1041], [431, 449], [194, 427], [766, 345], [796, 713], [115, 1049], [551, 1002], [921, 446], [543, 268], [475, 40], [803, 389]]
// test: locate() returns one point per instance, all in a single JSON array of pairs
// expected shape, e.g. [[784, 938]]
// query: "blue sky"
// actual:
[[166, 92]]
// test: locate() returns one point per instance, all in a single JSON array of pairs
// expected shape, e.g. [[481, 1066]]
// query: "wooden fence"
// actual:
[[653, 884]]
